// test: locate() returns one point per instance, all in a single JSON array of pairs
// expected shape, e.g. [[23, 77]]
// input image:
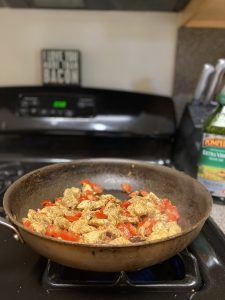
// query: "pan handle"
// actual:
[[6, 223]]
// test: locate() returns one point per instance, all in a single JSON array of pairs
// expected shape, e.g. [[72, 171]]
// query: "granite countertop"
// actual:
[[218, 215]]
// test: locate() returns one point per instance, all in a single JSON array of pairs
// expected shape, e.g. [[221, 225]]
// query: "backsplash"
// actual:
[[121, 50]]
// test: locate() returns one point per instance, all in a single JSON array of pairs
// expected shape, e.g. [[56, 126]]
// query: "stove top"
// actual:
[[196, 273], [180, 272], [96, 123]]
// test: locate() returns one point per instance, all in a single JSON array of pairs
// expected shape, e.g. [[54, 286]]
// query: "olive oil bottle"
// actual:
[[211, 170]]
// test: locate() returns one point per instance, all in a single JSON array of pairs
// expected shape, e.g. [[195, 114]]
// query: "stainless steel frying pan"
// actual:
[[191, 198]]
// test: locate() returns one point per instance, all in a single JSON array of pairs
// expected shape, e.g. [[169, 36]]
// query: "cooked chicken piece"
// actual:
[[151, 209], [86, 188], [96, 219], [164, 229], [139, 208], [81, 226], [98, 222], [112, 232], [86, 204], [31, 214], [98, 204], [62, 223], [120, 241], [141, 231], [153, 198], [110, 206], [114, 218], [87, 214], [39, 227], [113, 211], [53, 211], [94, 237], [173, 228], [136, 199], [71, 197], [40, 217], [62, 205], [133, 220], [109, 198], [161, 217]]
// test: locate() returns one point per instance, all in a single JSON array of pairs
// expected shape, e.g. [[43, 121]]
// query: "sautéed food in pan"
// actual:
[[86, 215]]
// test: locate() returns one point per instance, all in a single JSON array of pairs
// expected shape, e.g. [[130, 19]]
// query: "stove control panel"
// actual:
[[81, 110], [56, 106]]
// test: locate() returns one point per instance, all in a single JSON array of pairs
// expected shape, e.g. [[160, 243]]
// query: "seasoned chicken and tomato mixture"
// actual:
[[86, 215]]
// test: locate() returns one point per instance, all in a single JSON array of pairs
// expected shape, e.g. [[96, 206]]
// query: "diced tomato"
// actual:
[[90, 195], [83, 198], [148, 224], [96, 188], [76, 215], [148, 230], [61, 233], [58, 199], [126, 187], [126, 213], [173, 214], [100, 215], [167, 203], [85, 181], [172, 217], [133, 230], [169, 209], [128, 230], [141, 223], [143, 193], [47, 203], [69, 236], [87, 196], [51, 231], [125, 204], [124, 230], [27, 223]]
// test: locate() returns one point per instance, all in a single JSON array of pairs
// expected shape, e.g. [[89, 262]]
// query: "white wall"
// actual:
[[124, 50]]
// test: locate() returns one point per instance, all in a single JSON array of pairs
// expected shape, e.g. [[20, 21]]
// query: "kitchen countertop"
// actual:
[[218, 215]]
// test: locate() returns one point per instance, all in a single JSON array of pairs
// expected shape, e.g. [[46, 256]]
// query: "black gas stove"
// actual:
[[41, 126]]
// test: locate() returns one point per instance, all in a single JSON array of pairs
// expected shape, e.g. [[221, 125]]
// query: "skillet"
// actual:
[[193, 202]]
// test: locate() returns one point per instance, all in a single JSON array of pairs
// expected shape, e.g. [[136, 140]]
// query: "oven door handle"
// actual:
[[5, 222]]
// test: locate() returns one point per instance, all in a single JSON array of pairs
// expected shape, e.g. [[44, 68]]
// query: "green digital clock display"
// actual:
[[59, 104]]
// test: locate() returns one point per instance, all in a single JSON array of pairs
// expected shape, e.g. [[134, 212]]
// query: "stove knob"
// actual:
[[43, 112], [68, 113], [33, 111], [23, 112], [52, 112]]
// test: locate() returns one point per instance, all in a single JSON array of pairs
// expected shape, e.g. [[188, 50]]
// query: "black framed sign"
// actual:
[[61, 66]]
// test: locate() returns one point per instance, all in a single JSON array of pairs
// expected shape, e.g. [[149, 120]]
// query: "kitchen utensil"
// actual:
[[205, 75], [191, 198], [215, 82]]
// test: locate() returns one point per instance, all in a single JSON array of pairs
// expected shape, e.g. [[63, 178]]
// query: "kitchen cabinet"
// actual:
[[2, 3], [134, 5], [204, 13]]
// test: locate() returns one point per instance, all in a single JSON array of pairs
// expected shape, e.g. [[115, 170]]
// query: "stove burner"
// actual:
[[9, 172], [178, 272]]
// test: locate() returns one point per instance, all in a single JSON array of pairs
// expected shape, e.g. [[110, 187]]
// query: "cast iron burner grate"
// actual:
[[180, 272]]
